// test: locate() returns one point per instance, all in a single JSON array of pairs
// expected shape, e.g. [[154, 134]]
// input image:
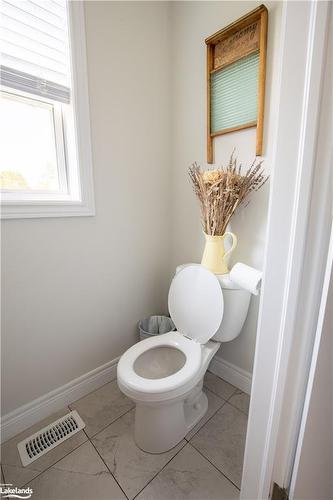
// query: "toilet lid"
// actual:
[[196, 303]]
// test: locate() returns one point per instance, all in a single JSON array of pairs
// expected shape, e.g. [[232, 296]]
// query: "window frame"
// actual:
[[80, 198], [55, 110]]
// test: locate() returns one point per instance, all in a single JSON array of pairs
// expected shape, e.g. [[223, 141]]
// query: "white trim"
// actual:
[[42, 407], [231, 373], [300, 83], [82, 202], [322, 311], [81, 103], [318, 232]]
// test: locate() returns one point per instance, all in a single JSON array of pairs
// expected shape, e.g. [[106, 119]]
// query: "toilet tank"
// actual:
[[236, 306]]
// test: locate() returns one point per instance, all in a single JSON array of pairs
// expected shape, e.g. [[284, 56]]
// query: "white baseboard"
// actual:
[[42, 407], [231, 373]]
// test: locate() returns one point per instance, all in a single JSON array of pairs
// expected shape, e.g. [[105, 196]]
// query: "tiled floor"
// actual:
[[102, 462]]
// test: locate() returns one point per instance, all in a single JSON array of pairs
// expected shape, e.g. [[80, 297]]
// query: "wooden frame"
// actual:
[[259, 15]]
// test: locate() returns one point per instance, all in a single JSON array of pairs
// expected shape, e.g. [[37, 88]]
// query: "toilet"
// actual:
[[164, 374]]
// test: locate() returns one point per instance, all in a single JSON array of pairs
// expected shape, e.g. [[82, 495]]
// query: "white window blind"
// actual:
[[35, 47]]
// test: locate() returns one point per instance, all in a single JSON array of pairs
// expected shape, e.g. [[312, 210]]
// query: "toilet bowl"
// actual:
[[163, 375]]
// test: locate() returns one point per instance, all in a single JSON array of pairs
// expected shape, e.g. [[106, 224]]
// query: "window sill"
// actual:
[[32, 210]]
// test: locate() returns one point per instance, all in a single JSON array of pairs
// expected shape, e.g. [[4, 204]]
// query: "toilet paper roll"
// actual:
[[246, 277]]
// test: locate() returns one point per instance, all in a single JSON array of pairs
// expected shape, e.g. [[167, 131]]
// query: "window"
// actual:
[[45, 159]]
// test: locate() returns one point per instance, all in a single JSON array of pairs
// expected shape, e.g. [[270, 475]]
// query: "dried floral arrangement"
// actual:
[[223, 190]]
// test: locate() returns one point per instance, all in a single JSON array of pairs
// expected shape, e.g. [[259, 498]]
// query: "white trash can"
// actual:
[[155, 325]]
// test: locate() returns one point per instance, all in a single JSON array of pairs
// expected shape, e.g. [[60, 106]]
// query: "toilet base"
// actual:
[[194, 411], [158, 428]]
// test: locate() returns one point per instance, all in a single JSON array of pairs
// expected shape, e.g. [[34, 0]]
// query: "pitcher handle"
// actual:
[[234, 243]]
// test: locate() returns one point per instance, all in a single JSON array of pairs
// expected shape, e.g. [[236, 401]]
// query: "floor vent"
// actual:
[[50, 436]]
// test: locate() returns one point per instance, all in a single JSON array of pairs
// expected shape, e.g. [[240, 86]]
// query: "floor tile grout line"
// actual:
[[203, 425], [185, 444], [219, 409], [234, 407], [110, 423], [227, 400], [236, 389], [219, 395], [50, 467], [242, 411], [75, 448], [238, 409], [218, 470], [106, 465], [91, 392], [204, 387]]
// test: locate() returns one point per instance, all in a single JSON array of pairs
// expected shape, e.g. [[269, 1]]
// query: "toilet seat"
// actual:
[[130, 380], [196, 308]]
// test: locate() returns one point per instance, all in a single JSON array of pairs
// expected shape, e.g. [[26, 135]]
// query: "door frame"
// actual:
[[312, 372], [300, 81]]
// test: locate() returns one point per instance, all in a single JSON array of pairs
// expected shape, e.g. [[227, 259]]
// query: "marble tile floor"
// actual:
[[102, 461]]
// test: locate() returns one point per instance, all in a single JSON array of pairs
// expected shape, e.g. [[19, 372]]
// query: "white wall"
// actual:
[[74, 288], [191, 23]]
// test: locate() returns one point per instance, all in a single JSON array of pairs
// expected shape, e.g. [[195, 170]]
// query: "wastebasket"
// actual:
[[155, 325]]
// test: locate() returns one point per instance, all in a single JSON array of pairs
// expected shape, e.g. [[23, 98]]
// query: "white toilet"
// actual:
[[163, 375]]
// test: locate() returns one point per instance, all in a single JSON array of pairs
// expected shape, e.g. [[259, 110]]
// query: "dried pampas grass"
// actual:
[[222, 191]]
